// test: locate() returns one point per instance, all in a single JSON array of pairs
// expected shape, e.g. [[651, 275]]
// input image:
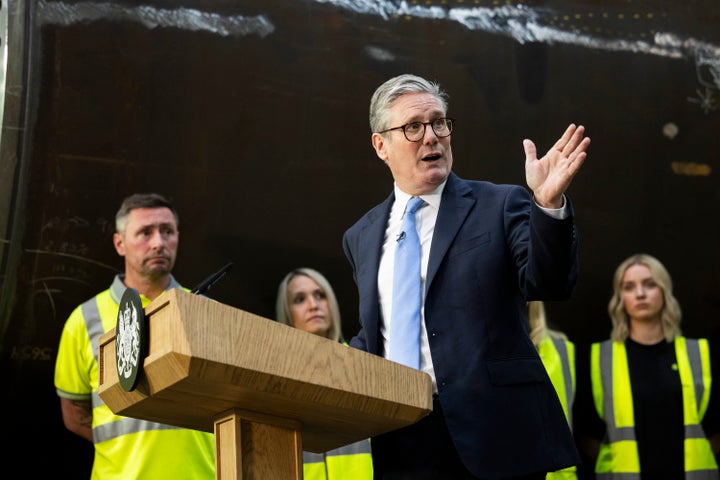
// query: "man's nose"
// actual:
[[156, 239], [429, 135]]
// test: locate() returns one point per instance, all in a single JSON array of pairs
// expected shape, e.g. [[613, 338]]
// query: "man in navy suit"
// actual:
[[486, 250]]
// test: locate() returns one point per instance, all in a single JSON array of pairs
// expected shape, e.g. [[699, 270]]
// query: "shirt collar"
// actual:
[[117, 289], [432, 198]]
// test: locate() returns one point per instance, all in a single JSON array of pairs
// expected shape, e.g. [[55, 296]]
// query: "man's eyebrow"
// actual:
[[156, 225]]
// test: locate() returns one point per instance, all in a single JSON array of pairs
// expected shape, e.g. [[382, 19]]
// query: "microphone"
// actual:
[[208, 283], [401, 236]]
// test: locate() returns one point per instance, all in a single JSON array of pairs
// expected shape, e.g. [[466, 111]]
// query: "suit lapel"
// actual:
[[371, 241], [457, 200], [454, 208]]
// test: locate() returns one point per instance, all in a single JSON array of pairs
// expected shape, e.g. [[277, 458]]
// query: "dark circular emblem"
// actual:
[[130, 339]]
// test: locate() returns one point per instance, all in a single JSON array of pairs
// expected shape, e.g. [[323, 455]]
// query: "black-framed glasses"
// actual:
[[415, 131]]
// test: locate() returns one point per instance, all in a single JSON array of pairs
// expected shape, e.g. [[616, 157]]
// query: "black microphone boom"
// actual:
[[207, 284]]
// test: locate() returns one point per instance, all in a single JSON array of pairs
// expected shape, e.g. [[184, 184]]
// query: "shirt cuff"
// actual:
[[558, 213]]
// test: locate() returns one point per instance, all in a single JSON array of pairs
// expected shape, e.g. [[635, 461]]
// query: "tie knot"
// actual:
[[413, 204]]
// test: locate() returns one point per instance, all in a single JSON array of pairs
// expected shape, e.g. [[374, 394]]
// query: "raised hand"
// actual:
[[550, 176]]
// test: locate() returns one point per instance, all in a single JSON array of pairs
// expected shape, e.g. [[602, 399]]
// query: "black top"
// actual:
[[658, 408]]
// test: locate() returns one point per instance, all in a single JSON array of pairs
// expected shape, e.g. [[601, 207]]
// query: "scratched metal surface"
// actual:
[[252, 116]]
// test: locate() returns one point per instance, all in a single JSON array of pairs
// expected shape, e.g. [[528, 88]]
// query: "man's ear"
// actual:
[[378, 143], [119, 243]]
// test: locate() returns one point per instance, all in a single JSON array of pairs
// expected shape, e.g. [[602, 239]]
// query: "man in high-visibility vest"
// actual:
[[126, 448]]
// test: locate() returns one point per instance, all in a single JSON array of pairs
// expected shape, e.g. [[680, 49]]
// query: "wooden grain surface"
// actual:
[[206, 358]]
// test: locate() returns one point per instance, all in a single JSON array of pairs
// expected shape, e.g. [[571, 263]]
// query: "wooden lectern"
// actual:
[[268, 391]]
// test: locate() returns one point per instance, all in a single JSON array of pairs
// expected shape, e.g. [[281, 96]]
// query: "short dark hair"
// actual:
[[142, 200]]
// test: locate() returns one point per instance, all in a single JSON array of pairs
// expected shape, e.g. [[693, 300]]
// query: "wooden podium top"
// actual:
[[205, 358]]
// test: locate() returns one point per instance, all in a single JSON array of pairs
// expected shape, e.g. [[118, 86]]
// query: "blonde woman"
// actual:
[[306, 301], [651, 387]]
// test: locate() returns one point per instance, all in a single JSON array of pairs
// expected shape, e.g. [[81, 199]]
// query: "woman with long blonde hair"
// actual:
[[306, 301], [654, 410]]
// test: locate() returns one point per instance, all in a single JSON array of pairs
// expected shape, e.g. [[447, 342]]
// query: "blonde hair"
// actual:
[[537, 322], [282, 305], [671, 314]]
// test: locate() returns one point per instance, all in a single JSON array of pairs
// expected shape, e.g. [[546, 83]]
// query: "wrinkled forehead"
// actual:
[[415, 106], [151, 217]]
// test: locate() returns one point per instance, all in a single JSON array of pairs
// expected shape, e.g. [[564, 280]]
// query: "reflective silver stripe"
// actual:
[[91, 314], [562, 351], [702, 475], [124, 426], [693, 352], [357, 448], [309, 457], [606, 374], [117, 289], [694, 431], [623, 433], [94, 327], [617, 476], [615, 434]]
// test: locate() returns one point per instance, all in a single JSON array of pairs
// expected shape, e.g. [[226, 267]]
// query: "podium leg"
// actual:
[[254, 446]]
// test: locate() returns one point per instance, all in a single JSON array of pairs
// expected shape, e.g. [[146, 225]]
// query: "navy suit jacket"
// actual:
[[492, 250]]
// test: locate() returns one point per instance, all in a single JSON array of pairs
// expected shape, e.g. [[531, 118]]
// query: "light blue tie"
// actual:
[[404, 343]]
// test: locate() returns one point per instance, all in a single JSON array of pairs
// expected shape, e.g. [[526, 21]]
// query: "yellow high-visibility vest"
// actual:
[[613, 399], [125, 447], [558, 357], [351, 462]]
